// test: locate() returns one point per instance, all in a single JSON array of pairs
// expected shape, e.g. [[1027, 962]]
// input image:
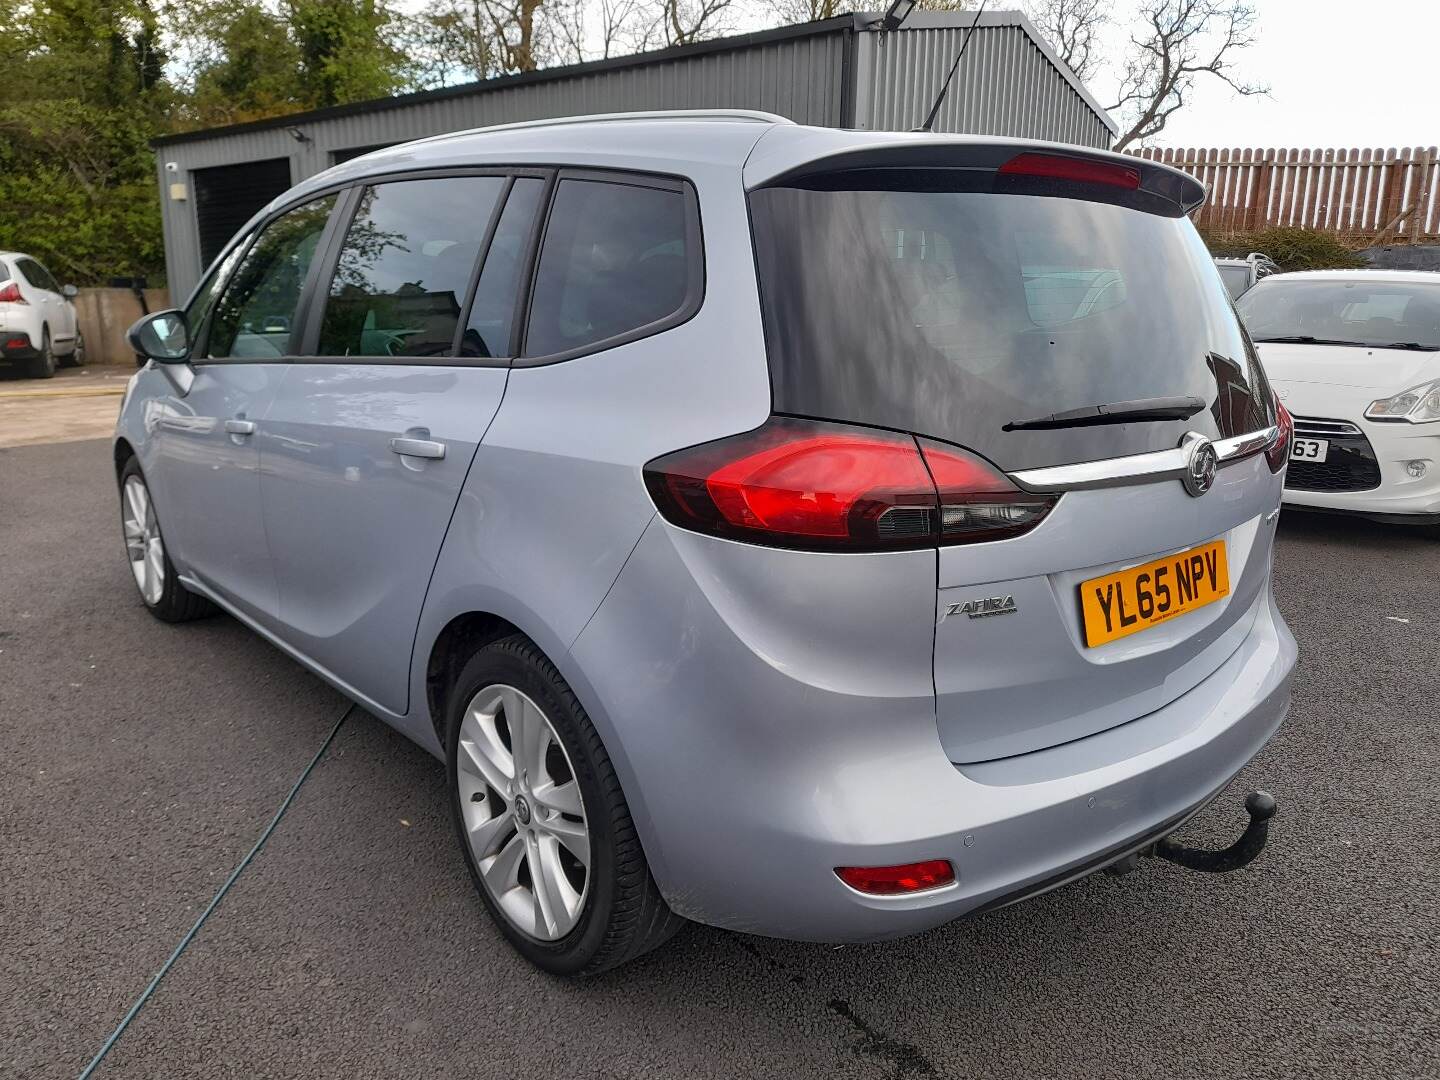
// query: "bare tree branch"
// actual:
[[1180, 40], [1073, 27]]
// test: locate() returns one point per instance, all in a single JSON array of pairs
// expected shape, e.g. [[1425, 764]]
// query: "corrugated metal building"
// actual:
[[839, 72]]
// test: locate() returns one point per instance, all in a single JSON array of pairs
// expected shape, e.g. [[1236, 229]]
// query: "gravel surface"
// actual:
[[144, 760]]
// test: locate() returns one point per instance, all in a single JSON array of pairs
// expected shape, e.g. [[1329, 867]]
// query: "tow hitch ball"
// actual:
[[1261, 807]]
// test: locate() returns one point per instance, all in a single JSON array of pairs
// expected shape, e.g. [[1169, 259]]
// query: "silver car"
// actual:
[[815, 533]]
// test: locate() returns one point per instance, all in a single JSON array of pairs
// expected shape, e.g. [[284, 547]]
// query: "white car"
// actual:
[[1355, 357], [38, 328]]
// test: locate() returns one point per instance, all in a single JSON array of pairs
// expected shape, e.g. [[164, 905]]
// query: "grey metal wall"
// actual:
[[1008, 83], [801, 78], [833, 73]]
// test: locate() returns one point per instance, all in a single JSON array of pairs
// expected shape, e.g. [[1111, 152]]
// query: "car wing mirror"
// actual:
[[163, 336], [70, 292]]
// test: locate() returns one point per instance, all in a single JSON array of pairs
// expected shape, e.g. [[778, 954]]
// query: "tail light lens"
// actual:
[[1278, 452], [832, 487], [10, 294]]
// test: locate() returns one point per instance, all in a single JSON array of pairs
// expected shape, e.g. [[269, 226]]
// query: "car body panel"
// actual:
[[1014, 683], [43, 310], [771, 714], [354, 528], [208, 479]]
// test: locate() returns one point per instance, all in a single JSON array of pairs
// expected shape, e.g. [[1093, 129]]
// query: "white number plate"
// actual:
[[1310, 449]]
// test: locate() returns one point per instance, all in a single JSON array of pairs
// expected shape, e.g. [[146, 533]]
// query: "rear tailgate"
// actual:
[[1002, 312]]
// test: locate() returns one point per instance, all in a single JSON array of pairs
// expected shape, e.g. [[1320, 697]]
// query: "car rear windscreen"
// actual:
[[894, 298]]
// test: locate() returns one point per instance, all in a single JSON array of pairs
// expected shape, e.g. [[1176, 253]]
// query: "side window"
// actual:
[[203, 300], [35, 274], [492, 315], [406, 265], [616, 258], [256, 312]]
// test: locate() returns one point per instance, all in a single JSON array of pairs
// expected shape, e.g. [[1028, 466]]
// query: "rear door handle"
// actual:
[[240, 427], [418, 448]]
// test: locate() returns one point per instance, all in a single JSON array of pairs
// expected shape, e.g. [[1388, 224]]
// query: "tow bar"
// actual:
[[1261, 807]]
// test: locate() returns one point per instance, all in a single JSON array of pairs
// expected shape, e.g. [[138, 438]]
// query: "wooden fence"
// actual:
[[1363, 196]]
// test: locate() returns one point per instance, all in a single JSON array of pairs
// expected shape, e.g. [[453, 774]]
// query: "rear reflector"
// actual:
[[897, 880], [833, 487], [1080, 170]]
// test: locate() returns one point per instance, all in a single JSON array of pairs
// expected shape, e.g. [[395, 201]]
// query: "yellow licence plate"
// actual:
[[1121, 604]]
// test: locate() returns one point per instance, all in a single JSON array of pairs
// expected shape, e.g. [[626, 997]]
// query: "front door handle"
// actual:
[[418, 448], [240, 427]]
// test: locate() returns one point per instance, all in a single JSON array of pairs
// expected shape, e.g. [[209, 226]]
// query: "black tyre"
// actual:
[[541, 819], [42, 364], [155, 577]]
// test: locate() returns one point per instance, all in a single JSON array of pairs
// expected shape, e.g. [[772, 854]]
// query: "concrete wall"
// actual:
[[105, 315]]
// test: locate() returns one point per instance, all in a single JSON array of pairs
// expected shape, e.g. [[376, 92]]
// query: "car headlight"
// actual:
[[1418, 405]]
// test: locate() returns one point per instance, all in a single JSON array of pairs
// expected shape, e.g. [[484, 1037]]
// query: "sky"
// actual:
[[1361, 74]]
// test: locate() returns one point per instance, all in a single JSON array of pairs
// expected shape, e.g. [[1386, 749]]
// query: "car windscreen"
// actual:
[[894, 298], [1399, 314]]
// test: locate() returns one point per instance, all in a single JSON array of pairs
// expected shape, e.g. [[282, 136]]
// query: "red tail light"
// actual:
[[830, 487], [897, 880], [10, 294], [1081, 170], [1278, 452]]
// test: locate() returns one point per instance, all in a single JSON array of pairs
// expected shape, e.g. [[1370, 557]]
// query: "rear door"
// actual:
[[44, 294], [371, 433], [998, 314]]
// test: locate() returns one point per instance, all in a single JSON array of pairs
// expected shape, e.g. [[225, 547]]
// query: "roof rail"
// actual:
[[751, 116]]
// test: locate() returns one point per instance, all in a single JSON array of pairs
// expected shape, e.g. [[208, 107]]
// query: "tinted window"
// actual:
[[4, 272], [406, 265], [37, 275], [1375, 313], [256, 312], [204, 298], [1236, 278], [615, 258], [492, 316], [893, 299]]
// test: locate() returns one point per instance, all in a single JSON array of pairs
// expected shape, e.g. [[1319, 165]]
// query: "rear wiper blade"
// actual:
[[1413, 346], [1117, 412], [1306, 339]]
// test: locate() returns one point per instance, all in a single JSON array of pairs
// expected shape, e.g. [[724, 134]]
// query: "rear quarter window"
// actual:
[[619, 261]]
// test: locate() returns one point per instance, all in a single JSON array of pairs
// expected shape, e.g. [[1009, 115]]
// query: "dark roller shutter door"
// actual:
[[227, 196]]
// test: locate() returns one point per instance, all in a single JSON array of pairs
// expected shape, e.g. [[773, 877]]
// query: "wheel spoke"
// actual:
[[503, 872], [135, 500], [562, 798], [482, 756], [573, 835], [485, 837], [552, 892]]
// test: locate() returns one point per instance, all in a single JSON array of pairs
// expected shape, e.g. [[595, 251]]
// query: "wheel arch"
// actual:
[[123, 453], [458, 640]]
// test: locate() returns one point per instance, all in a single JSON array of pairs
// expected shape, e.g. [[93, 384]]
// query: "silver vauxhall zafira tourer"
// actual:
[[816, 533]]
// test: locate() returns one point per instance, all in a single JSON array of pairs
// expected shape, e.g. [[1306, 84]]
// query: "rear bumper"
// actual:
[[755, 763], [16, 345]]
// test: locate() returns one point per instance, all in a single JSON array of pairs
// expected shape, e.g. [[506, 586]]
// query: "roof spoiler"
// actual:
[[1009, 166]]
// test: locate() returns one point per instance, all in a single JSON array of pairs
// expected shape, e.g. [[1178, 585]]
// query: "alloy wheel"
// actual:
[[523, 814], [142, 540]]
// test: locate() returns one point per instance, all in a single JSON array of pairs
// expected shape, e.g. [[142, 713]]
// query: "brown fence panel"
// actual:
[[1358, 194]]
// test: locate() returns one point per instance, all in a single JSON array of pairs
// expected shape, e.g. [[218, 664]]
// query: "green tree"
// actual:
[[345, 53], [242, 64], [85, 93]]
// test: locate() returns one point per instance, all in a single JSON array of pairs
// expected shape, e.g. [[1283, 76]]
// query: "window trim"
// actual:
[[695, 258], [347, 190]]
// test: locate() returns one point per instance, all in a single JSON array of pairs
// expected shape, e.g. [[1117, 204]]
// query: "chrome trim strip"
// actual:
[[1139, 468]]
